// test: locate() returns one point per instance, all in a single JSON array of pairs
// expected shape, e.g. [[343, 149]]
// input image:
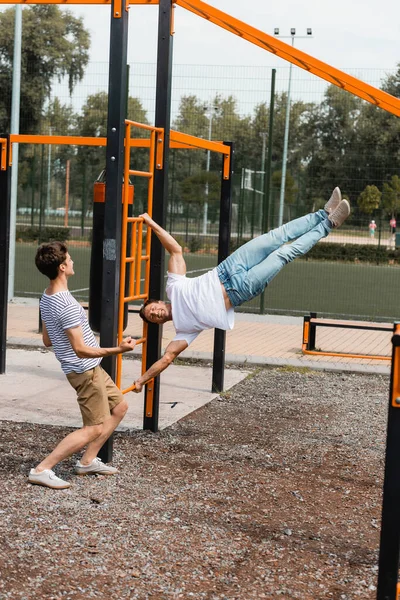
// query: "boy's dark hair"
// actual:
[[141, 311], [49, 257]]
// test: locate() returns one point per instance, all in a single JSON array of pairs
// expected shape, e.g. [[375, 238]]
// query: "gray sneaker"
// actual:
[[47, 478], [340, 214], [96, 466], [333, 201]]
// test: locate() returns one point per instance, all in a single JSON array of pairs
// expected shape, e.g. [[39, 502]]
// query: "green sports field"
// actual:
[[332, 289]]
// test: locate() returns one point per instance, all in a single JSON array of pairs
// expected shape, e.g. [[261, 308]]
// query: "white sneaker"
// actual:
[[333, 201], [96, 466], [47, 478], [340, 214]]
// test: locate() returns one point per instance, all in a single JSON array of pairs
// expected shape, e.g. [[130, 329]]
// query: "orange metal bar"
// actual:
[[72, 140], [345, 355], [117, 9], [139, 256], [3, 150], [133, 254], [124, 235], [297, 57], [141, 173], [195, 142], [150, 128], [226, 165], [396, 372], [159, 151]]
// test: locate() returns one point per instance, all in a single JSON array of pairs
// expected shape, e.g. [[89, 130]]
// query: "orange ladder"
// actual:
[[138, 290]]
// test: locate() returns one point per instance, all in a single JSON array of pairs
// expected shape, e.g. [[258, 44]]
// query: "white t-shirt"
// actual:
[[197, 304]]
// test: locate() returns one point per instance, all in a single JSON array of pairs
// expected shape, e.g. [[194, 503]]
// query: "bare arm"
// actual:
[[176, 263], [75, 336], [172, 351], [45, 336]]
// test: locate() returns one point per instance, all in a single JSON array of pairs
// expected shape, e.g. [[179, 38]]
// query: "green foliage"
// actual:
[[352, 253], [391, 196], [54, 44], [195, 244], [369, 200], [44, 234]]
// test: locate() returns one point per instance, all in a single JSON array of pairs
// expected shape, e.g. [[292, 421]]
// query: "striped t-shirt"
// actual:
[[59, 312]]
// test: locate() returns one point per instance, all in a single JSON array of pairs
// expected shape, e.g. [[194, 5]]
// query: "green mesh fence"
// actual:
[[334, 139]]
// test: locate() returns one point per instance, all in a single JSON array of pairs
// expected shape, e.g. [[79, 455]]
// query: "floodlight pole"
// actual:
[[15, 109], [286, 134]]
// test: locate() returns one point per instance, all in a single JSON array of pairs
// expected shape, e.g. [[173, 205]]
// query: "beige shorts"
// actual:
[[97, 394]]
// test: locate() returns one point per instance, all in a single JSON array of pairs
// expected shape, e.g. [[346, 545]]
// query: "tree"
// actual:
[[369, 200], [54, 44], [391, 196]]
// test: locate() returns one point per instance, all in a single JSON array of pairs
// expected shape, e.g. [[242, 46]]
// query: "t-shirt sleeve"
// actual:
[[173, 279], [188, 337], [70, 316]]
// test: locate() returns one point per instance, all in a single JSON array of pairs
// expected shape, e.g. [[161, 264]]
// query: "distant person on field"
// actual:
[[372, 227], [102, 405], [393, 224], [208, 301]]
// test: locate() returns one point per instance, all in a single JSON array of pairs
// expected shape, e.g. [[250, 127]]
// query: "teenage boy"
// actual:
[[102, 405]]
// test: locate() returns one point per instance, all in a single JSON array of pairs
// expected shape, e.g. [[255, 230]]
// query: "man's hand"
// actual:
[[147, 219], [138, 387], [127, 344]]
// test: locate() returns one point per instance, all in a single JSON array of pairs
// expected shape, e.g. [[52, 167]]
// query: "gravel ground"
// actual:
[[271, 490]]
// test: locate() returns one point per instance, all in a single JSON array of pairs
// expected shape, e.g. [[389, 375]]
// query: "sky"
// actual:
[[347, 34]]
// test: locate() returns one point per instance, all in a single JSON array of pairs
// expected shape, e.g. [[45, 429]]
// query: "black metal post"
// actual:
[[113, 204], [390, 525], [162, 119], [225, 215], [267, 172], [313, 332], [5, 209]]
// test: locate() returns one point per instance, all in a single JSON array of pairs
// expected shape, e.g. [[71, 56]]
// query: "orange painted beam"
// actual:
[[297, 57], [195, 142]]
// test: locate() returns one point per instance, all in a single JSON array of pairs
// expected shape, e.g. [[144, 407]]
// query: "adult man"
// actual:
[[102, 405], [208, 301]]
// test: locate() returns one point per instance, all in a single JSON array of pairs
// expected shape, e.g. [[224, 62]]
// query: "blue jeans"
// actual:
[[246, 272]]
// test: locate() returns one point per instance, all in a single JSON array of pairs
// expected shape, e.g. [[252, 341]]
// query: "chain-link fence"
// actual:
[[333, 139]]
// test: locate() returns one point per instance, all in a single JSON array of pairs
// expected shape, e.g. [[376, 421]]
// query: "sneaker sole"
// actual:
[[61, 487], [95, 473]]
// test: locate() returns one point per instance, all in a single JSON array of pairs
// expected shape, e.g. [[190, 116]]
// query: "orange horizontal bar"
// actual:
[[297, 57], [196, 142], [72, 140], [147, 174], [138, 297], [345, 355], [143, 126]]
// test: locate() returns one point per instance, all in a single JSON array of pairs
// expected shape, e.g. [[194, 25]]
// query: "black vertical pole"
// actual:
[[225, 214], [5, 210], [267, 172], [113, 204], [162, 119], [390, 525]]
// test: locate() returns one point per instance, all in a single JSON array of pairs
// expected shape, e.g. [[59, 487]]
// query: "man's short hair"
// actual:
[[49, 257], [141, 311]]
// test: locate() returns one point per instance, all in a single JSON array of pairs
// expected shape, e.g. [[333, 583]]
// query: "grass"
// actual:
[[360, 291]]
